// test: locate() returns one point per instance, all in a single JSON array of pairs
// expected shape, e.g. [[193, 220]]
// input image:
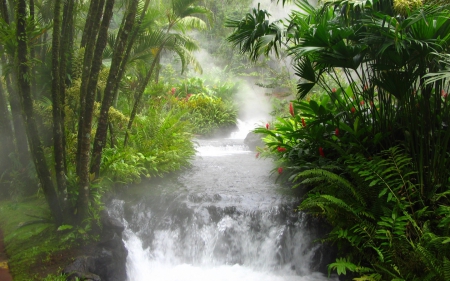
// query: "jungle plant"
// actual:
[[208, 114], [386, 226], [383, 202], [161, 140], [382, 58]]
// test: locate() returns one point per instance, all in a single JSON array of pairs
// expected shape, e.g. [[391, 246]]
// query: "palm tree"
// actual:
[[183, 15]]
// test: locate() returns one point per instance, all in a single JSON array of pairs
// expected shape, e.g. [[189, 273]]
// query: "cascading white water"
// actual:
[[223, 219]]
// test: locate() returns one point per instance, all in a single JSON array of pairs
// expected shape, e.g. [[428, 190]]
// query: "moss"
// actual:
[[405, 6], [34, 247]]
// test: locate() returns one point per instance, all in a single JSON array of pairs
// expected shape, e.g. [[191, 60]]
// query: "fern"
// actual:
[[330, 178], [341, 266]]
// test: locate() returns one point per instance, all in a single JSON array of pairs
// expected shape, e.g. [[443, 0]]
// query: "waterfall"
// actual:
[[225, 218]]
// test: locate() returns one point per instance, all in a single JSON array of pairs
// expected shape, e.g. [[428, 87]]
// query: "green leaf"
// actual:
[[314, 106], [64, 227]]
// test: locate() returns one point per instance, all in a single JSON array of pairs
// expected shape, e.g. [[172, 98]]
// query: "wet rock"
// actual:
[[82, 275], [108, 259], [253, 140]]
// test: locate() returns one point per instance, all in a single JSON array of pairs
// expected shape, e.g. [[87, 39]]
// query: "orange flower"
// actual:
[[291, 109], [303, 122]]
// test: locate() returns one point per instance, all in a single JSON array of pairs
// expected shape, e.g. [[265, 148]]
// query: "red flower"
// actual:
[[281, 149], [173, 90], [267, 126], [321, 152], [303, 122], [257, 155], [353, 110], [444, 94], [291, 109], [361, 102], [333, 90], [280, 170], [336, 132]]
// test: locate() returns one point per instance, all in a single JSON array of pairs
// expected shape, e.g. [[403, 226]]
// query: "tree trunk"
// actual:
[[36, 149], [32, 56], [65, 57], [6, 135], [4, 11], [140, 92], [18, 121], [86, 125], [66, 50], [134, 34], [111, 85], [93, 24], [58, 122], [14, 103], [90, 31]]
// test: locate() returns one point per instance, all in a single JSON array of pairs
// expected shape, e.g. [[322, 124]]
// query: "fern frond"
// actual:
[[341, 266], [331, 178]]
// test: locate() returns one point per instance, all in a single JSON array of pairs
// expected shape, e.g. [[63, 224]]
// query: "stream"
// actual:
[[224, 218]]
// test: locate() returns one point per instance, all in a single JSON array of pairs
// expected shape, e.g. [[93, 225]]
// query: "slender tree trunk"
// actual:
[[65, 57], [6, 134], [140, 92], [111, 84], [89, 32], [66, 50], [33, 55], [17, 118], [94, 22], [43, 50], [133, 36], [111, 134], [27, 107], [14, 103], [4, 11], [6, 131], [11, 10], [58, 122], [84, 152]]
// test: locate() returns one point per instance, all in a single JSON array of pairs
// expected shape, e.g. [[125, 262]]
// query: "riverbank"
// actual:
[[36, 250]]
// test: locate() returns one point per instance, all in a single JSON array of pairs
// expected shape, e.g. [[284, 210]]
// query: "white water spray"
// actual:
[[221, 220]]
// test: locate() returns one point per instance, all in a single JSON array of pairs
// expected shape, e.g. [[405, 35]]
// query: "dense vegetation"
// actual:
[[96, 95], [372, 149]]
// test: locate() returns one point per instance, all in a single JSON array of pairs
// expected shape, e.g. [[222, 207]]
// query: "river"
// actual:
[[224, 218]]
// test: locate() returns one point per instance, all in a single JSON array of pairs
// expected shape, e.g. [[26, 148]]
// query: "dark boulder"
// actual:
[[107, 258], [253, 140]]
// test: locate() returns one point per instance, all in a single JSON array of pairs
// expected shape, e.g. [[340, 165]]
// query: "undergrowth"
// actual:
[[36, 249]]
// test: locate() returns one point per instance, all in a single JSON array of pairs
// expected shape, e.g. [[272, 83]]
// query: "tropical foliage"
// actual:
[[81, 71], [372, 150]]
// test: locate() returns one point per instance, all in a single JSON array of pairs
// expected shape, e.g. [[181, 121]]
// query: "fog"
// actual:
[[253, 101]]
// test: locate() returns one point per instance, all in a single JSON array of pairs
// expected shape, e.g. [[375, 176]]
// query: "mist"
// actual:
[[252, 100]]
